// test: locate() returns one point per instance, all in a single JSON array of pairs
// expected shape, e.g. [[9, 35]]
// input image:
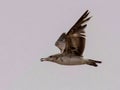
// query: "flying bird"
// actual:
[[72, 44]]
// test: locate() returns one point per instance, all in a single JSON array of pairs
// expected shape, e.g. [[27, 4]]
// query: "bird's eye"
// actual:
[[51, 56]]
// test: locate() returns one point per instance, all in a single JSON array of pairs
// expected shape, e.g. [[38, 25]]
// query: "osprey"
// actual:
[[72, 44]]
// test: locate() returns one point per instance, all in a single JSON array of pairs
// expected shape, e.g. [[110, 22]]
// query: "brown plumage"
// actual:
[[72, 44], [74, 40]]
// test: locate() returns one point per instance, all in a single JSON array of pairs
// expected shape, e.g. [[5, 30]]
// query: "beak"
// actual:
[[43, 59]]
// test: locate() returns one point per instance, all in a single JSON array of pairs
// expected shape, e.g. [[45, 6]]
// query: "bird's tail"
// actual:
[[93, 62]]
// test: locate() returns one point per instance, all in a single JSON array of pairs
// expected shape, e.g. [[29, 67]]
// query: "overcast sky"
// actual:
[[29, 29]]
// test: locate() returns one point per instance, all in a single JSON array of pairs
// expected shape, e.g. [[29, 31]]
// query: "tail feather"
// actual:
[[93, 62]]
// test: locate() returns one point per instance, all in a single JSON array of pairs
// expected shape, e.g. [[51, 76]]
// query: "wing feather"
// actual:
[[60, 43], [75, 38]]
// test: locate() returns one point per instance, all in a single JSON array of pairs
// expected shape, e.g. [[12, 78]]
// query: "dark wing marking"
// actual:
[[60, 43], [75, 38], [78, 25]]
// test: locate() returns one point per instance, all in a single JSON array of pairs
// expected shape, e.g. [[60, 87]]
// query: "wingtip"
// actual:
[[87, 11], [85, 14]]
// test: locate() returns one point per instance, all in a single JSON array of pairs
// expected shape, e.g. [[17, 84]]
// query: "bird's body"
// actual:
[[72, 44], [70, 60]]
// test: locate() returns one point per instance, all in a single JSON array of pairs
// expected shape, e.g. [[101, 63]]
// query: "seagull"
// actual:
[[72, 44]]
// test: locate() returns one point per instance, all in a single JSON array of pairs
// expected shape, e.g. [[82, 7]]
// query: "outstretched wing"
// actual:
[[60, 43], [75, 38]]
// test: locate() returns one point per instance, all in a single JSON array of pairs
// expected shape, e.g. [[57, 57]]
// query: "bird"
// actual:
[[72, 45]]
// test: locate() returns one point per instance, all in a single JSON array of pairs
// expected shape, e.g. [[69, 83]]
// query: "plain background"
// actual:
[[29, 29]]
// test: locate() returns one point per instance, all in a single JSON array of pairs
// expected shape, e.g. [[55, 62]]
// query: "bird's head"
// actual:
[[51, 58]]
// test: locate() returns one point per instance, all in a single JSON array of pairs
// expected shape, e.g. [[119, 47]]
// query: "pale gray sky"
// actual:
[[28, 30]]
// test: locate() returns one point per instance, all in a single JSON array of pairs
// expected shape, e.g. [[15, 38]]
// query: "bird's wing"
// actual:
[[60, 43], [75, 38]]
